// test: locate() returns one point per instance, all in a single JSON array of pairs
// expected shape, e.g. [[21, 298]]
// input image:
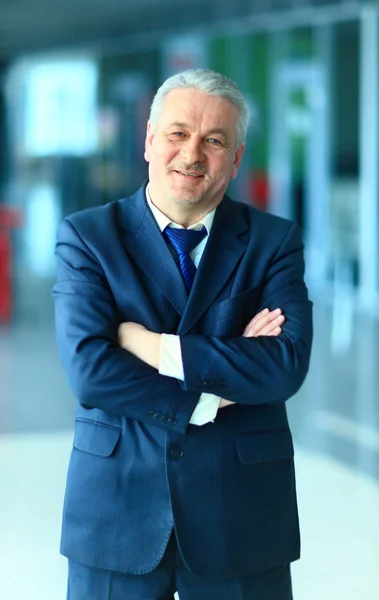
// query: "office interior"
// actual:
[[76, 84]]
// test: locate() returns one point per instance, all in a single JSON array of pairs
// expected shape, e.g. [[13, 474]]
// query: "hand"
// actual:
[[141, 342], [266, 323]]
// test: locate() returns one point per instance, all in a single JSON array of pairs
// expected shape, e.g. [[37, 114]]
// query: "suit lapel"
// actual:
[[144, 241], [222, 253]]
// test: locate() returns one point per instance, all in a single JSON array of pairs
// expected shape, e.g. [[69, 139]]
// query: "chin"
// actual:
[[182, 200], [180, 197]]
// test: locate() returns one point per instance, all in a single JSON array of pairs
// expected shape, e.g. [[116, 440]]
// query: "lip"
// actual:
[[189, 173]]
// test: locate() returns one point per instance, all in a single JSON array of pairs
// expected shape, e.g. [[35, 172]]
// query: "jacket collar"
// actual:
[[145, 242]]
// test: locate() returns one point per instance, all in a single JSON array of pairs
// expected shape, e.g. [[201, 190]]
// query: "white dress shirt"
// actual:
[[171, 362]]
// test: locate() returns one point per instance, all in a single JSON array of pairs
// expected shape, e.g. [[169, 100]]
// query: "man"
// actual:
[[171, 335]]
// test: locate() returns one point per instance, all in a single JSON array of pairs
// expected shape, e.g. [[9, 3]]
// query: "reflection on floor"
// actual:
[[335, 420]]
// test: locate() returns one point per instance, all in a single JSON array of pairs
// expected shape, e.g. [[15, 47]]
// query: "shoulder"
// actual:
[[263, 222], [126, 213], [96, 216], [103, 221]]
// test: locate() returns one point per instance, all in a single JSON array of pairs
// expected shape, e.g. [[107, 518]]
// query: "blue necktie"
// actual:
[[184, 241]]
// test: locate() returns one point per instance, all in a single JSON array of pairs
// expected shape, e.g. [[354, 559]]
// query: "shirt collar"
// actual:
[[163, 221]]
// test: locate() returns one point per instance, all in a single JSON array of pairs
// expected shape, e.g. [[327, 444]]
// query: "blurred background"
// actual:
[[76, 82]]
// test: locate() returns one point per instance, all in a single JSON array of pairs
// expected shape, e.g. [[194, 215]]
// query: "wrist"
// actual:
[[153, 348]]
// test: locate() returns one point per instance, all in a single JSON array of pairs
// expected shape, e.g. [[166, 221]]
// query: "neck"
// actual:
[[181, 217], [183, 214]]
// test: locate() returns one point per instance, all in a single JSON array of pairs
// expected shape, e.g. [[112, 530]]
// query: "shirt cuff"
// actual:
[[170, 357], [171, 365], [206, 409]]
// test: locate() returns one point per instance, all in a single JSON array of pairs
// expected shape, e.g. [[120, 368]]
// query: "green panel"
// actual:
[[218, 54], [301, 48], [301, 43], [239, 69], [259, 78], [298, 101], [251, 73], [246, 60]]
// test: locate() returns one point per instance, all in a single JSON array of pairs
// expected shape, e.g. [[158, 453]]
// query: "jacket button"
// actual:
[[177, 452]]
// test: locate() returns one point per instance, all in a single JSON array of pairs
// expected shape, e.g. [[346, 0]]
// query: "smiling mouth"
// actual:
[[185, 174]]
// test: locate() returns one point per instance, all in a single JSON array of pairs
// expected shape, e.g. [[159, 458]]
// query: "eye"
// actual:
[[178, 134], [214, 141]]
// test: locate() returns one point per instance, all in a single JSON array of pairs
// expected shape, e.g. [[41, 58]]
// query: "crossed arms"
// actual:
[[104, 375], [147, 345]]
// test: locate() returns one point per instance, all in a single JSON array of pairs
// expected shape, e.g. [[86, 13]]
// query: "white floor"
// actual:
[[339, 514], [32, 478]]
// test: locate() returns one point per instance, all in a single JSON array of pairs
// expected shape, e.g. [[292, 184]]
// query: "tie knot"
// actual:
[[185, 240]]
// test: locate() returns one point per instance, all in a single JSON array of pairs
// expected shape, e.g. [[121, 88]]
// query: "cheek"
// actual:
[[223, 170], [165, 155], [170, 154]]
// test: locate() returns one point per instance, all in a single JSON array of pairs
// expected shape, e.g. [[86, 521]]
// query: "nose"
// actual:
[[193, 152]]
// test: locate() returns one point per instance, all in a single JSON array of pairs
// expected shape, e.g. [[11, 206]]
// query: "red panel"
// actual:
[[5, 279]]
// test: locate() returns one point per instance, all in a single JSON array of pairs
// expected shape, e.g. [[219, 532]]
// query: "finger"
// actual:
[[225, 403], [266, 329], [277, 331], [263, 312], [271, 327], [257, 317], [264, 315], [263, 321], [121, 333]]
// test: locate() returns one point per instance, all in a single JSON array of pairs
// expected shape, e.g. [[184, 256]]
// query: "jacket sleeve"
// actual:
[[101, 373], [265, 369]]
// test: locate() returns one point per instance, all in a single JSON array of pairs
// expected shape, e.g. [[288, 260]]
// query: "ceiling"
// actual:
[[28, 26]]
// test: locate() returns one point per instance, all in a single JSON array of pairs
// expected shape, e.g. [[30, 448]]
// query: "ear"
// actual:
[[150, 132], [237, 161]]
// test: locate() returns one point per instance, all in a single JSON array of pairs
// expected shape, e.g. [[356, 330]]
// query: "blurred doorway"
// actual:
[[299, 155], [52, 119]]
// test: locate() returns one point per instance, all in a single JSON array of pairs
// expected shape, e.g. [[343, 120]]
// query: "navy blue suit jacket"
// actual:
[[138, 468]]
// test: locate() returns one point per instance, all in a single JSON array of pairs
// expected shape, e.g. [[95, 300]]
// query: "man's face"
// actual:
[[192, 151]]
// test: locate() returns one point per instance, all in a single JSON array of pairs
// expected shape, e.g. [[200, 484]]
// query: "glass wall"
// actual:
[[77, 128], [345, 162]]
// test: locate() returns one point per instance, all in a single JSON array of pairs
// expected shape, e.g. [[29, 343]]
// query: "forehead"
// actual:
[[198, 109]]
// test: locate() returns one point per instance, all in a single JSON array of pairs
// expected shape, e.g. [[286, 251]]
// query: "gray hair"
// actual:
[[209, 82]]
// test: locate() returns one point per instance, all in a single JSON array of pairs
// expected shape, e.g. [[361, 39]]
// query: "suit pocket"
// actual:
[[96, 438], [230, 317], [265, 446], [244, 304]]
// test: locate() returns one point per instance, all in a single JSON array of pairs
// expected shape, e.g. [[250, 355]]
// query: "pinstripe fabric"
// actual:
[[86, 583], [93, 584], [170, 576], [138, 468], [184, 242]]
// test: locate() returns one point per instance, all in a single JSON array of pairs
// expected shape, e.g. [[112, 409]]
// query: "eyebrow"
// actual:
[[177, 124], [217, 130]]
